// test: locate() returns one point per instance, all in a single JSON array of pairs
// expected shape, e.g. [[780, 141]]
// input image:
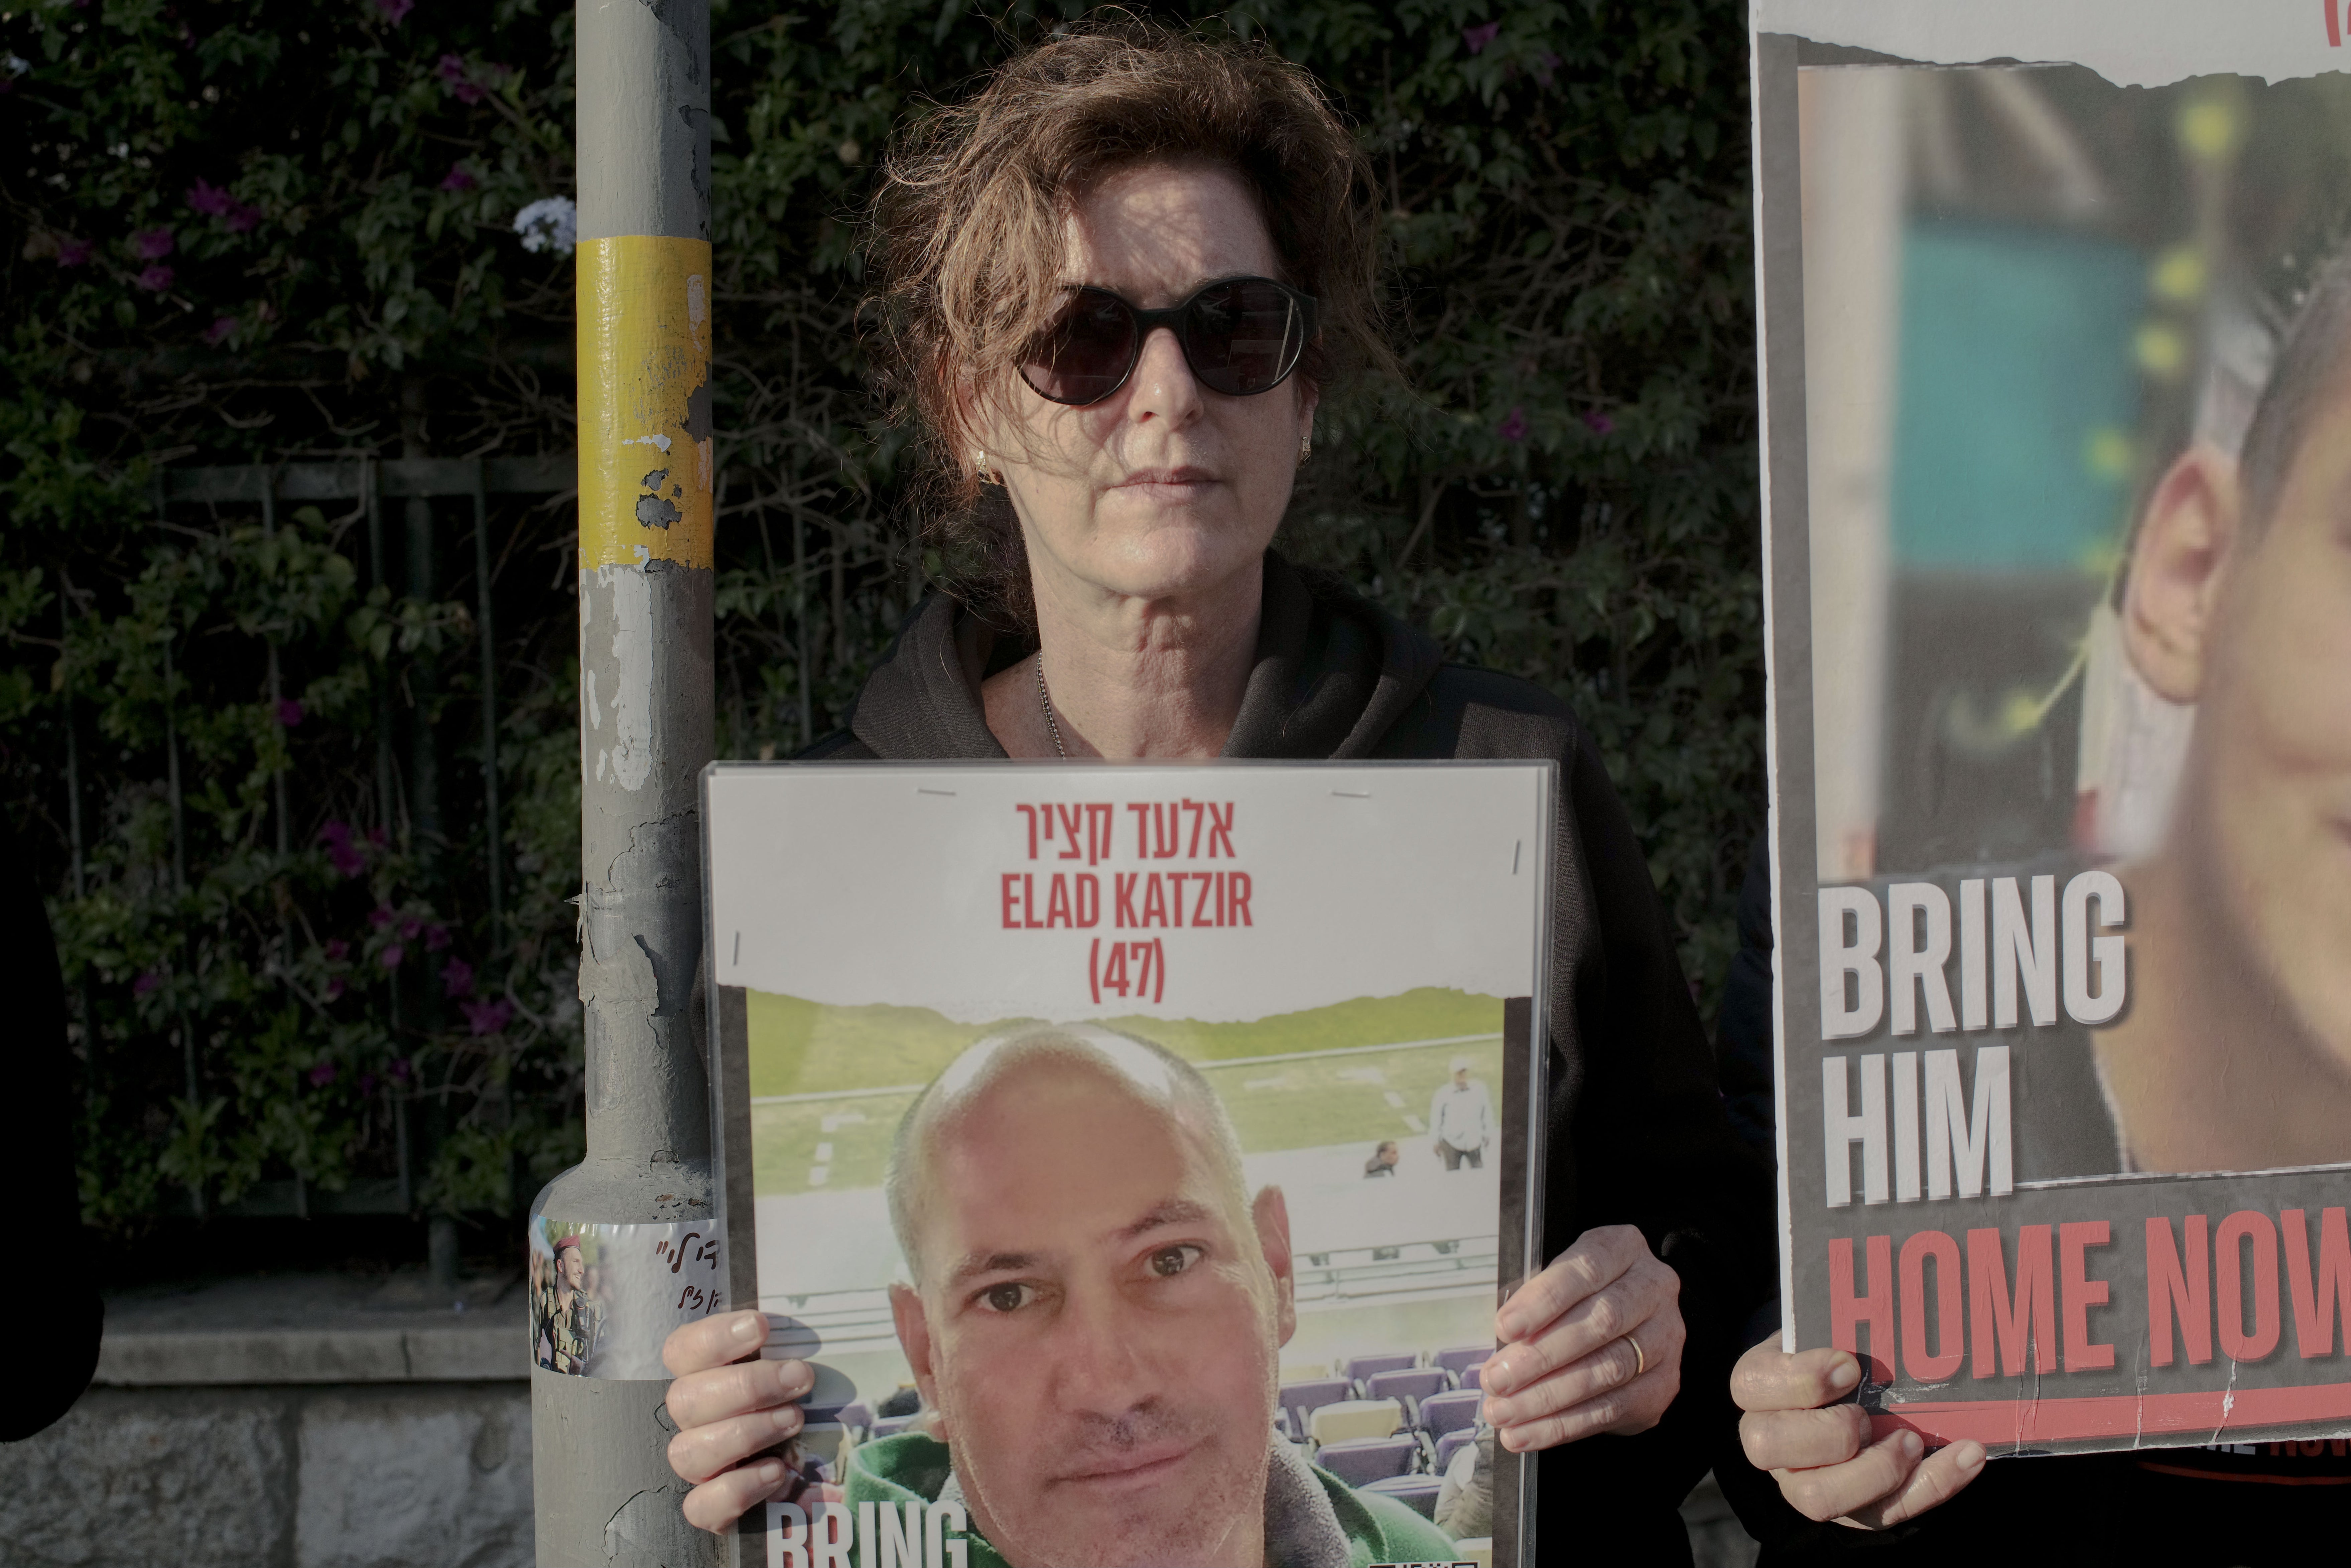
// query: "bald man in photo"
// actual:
[[1095, 1320]]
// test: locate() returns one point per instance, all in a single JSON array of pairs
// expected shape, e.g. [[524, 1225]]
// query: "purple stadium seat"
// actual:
[[1443, 1413], [1473, 1376], [891, 1426], [1282, 1424], [1360, 1367], [1302, 1399], [1452, 1443], [1415, 1492], [1454, 1360], [857, 1416], [1359, 1462], [1412, 1385]]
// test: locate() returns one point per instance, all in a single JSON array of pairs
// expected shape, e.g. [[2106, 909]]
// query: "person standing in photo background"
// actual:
[[1462, 1118]]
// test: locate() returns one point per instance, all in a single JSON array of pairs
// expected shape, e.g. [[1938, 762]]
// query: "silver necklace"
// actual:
[[1045, 701]]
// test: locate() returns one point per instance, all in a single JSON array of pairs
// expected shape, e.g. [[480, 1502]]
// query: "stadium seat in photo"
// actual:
[[1358, 1367], [1461, 1356], [1336, 1423], [891, 1426], [1360, 1461], [857, 1416], [1417, 1493], [1302, 1399], [1473, 1376], [1412, 1385], [1452, 1443], [1443, 1413]]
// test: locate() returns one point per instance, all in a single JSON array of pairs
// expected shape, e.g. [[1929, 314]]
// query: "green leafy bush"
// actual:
[[252, 233]]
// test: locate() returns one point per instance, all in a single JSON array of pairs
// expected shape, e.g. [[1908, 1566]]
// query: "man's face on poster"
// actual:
[[2260, 638], [573, 1267], [1099, 1321]]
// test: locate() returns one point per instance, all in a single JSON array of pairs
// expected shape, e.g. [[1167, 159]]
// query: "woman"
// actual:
[[1119, 279]]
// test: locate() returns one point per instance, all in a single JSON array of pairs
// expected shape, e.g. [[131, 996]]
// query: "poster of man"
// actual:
[[603, 1297], [1124, 1256], [2065, 805], [567, 1320]]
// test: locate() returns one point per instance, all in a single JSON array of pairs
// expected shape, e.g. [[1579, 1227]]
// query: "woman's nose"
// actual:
[[1162, 380]]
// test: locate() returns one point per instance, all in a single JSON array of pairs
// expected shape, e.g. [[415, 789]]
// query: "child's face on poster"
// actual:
[[1099, 1325], [2257, 617]]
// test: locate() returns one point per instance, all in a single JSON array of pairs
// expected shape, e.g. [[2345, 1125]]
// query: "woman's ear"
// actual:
[[2176, 570]]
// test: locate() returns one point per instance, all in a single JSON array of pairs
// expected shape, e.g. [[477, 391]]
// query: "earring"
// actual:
[[1305, 447], [986, 477]]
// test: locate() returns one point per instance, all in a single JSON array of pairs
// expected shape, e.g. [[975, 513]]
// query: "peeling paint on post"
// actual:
[[605, 1490]]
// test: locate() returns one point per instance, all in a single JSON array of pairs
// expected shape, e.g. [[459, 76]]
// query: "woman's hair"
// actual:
[[969, 243]]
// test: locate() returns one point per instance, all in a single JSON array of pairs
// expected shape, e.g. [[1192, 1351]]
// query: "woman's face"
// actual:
[[1164, 489]]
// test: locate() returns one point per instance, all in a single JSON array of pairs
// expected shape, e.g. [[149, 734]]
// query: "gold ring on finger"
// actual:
[[1640, 1362]]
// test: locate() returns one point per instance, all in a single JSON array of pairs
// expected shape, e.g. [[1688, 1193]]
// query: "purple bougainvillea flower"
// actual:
[[451, 70], [458, 179], [1600, 424], [394, 11], [457, 979], [1545, 63], [489, 1017], [400, 1069], [436, 937], [380, 917], [153, 244], [1514, 425], [338, 949], [335, 989], [321, 1075], [1478, 38], [242, 217], [392, 955], [217, 334], [146, 982], [409, 927], [210, 198], [73, 252], [289, 712], [157, 279], [341, 854]]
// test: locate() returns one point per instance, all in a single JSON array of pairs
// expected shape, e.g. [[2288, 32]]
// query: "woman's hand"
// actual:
[[727, 1409], [1820, 1450], [1592, 1344]]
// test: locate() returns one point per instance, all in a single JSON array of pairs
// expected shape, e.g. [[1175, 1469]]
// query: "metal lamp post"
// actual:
[[604, 1491]]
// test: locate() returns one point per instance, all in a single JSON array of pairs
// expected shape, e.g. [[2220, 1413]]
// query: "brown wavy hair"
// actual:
[[968, 245]]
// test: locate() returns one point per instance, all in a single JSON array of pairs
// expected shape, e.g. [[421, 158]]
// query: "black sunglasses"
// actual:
[[1241, 337]]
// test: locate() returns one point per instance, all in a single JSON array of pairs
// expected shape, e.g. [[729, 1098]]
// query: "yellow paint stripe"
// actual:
[[644, 400]]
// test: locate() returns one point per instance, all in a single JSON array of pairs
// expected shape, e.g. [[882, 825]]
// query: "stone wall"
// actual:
[[300, 1420], [420, 1473]]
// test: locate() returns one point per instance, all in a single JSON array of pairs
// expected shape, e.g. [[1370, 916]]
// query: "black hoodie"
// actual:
[[1637, 1130]]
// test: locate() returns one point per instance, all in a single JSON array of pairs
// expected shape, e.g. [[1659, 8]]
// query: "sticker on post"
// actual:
[[604, 1297]]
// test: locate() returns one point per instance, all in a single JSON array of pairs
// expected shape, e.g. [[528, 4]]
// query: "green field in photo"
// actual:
[[867, 1063]]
